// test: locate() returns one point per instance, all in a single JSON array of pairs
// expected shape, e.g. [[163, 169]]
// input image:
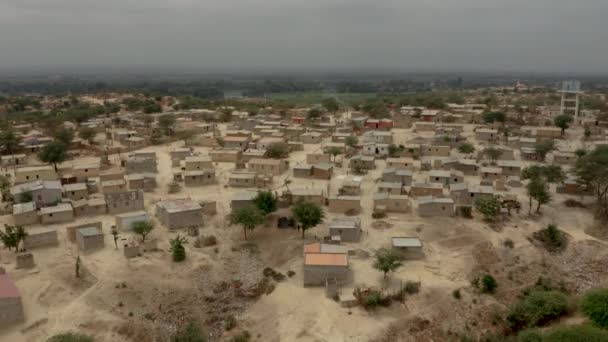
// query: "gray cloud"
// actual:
[[538, 35]]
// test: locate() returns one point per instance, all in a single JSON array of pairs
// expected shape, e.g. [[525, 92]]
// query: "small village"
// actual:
[[328, 222]]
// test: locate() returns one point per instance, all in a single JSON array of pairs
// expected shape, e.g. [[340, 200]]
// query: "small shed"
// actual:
[[89, 238], [407, 247]]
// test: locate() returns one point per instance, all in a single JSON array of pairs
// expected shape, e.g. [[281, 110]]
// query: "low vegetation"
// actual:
[[595, 307], [70, 337], [552, 238], [537, 308]]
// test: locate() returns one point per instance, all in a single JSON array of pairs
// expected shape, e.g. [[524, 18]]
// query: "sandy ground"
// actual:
[[157, 293]]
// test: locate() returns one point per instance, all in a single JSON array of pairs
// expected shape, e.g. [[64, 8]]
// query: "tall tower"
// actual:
[[571, 92]]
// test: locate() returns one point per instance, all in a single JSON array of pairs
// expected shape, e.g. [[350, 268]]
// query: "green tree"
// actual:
[[567, 333], [248, 217], [537, 308], [152, 108], [595, 307], [488, 284], [563, 121], [537, 189], [9, 141], [143, 228], [26, 197], [70, 337], [491, 117], [314, 113], [277, 150], [387, 261], [351, 141], [177, 249], [395, 151], [191, 332], [466, 148], [64, 135], [488, 207], [53, 153], [166, 122], [87, 133], [493, 153], [266, 202], [334, 151], [580, 152], [308, 215], [587, 133], [543, 147], [554, 174], [592, 172], [330, 104]]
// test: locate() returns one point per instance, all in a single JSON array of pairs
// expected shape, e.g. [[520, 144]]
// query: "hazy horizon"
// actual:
[[543, 36]]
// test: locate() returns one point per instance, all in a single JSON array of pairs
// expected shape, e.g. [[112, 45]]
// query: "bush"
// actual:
[[456, 294], [509, 243], [412, 287], [378, 215], [595, 307], [210, 240], [577, 333], [488, 284], [190, 332], [536, 309], [552, 238], [466, 211], [71, 337], [230, 323]]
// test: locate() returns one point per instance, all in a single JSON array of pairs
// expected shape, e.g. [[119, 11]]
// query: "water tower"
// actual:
[[571, 93]]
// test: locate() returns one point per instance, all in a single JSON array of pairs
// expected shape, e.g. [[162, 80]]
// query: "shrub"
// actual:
[[509, 243], [552, 238], [577, 333], [466, 211], [571, 203], [230, 323], [412, 287], [209, 240], [456, 294], [71, 337], [595, 307], [536, 309], [488, 284], [190, 332], [243, 337], [378, 215]]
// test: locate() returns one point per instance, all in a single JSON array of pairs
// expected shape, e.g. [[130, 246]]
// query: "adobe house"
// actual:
[[323, 262], [178, 154], [563, 157], [530, 154], [243, 199], [113, 186], [345, 229], [136, 164], [436, 151], [226, 155], [400, 163], [527, 142], [89, 207], [426, 189], [351, 185], [375, 149], [549, 132], [266, 141], [411, 151], [362, 163], [76, 191], [486, 134], [179, 213], [209, 207], [446, 177], [308, 195], [253, 154], [379, 137], [322, 171], [25, 261], [302, 171], [314, 158], [340, 137], [83, 172], [124, 222], [421, 126], [468, 167], [240, 143], [195, 163], [62, 212], [510, 167], [429, 206], [13, 159], [41, 237], [43, 192], [112, 174], [311, 138], [402, 176], [89, 239], [379, 124], [242, 179], [329, 146], [342, 204], [11, 308], [391, 188], [273, 167], [34, 173], [199, 178], [141, 181], [124, 201], [385, 202], [472, 193], [490, 173], [25, 213], [407, 247]]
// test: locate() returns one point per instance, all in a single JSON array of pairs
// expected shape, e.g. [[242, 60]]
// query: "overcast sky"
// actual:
[[409, 35]]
